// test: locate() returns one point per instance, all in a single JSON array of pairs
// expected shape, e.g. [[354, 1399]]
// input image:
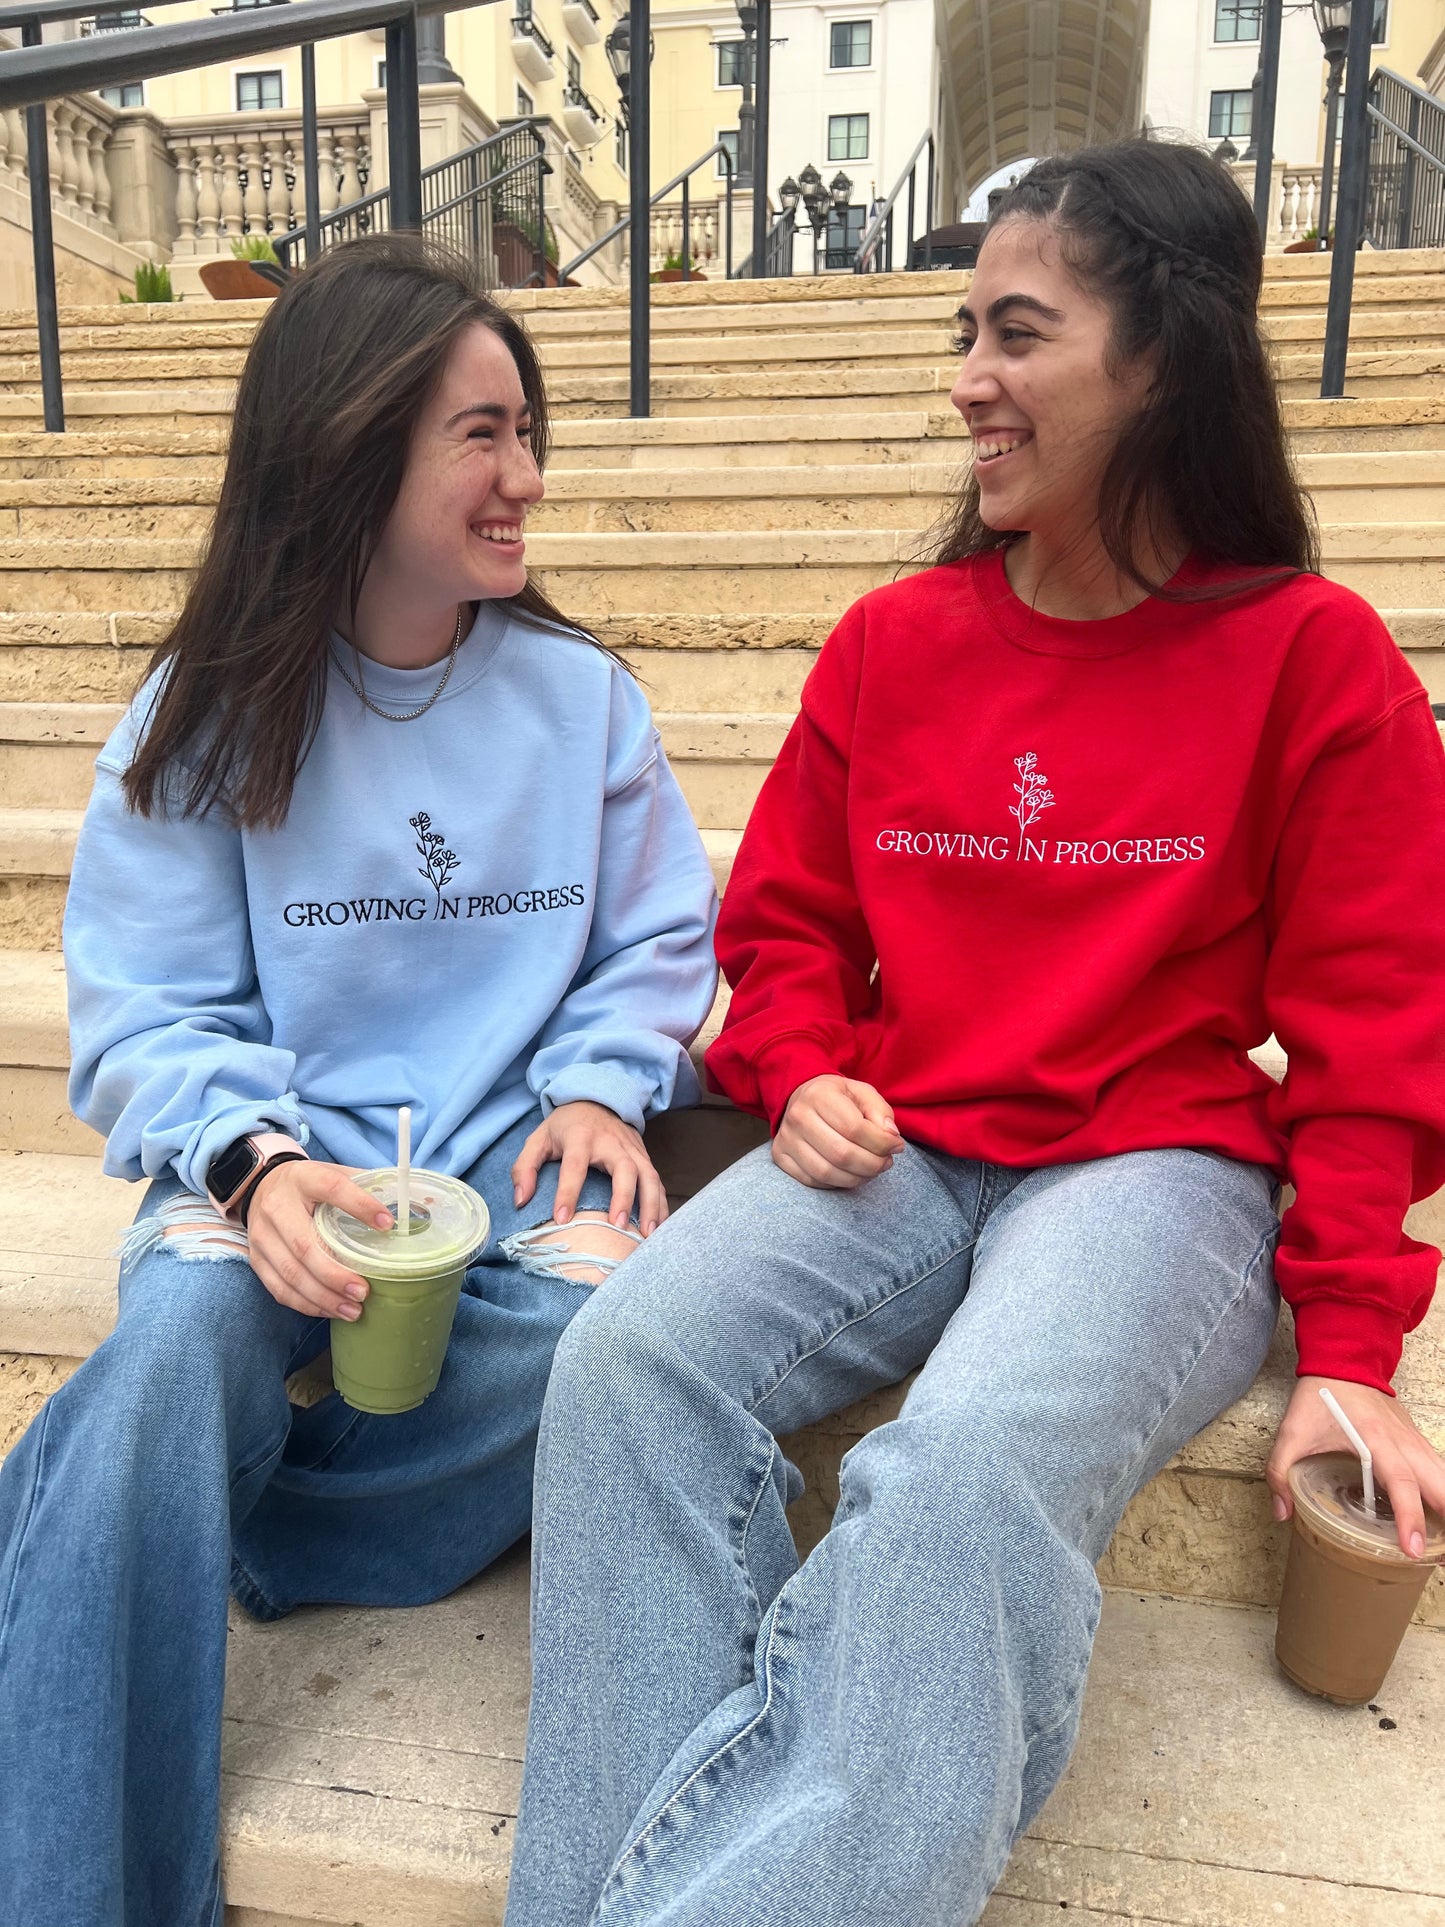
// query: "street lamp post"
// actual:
[[748, 16], [1261, 120], [1350, 218], [1332, 17], [819, 203], [634, 104]]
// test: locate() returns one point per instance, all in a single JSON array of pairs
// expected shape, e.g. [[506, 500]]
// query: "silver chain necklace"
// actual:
[[405, 715]]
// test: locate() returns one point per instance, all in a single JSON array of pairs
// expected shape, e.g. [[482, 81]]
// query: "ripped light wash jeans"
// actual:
[[720, 1738], [172, 1466]]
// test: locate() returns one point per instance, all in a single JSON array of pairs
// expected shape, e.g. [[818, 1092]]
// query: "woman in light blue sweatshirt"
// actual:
[[382, 828]]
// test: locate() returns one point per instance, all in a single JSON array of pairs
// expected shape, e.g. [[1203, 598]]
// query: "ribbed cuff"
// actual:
[[1361, 1343], [786, 1064]]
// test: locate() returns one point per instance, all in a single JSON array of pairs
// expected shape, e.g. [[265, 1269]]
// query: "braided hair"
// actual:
[[1160, 233]]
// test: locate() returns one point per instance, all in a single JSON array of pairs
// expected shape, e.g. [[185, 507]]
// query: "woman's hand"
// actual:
[[581, 1135], [1407, 1467], [286, 1254], [836, 1134]]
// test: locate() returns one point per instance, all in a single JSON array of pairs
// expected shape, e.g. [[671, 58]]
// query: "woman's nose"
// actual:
[[975, 383], [523, 479]]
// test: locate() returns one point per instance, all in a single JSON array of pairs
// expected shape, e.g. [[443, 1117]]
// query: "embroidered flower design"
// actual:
[[437, 861], [1033, 793]]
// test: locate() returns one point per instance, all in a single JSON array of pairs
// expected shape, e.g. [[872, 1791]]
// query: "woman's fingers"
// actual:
[[651, 1198], [576, 1162], [530, 1159], [624, 1190]]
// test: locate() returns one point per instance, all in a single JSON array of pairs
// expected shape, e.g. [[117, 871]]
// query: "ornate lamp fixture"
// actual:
[[618, 49], [1332, 18]]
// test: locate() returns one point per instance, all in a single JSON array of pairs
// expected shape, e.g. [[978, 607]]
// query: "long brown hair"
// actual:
[[337, 376], [1161, 234]]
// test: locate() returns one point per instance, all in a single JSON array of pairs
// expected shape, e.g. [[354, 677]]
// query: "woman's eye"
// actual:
[[962, 343]]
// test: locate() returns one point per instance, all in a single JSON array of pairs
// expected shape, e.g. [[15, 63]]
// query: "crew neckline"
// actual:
[[405, 688], [1046, 635]]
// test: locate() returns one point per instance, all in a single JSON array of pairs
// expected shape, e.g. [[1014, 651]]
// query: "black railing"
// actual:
[[1405, 196], [523, 23], [587, 8], [575, 97], [112, 23], [777, 252], [875, 246], [683, 181], [32, 74], [485, 202]]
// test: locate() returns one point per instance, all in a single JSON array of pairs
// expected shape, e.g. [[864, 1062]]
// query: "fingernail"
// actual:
[[384, 1221], [1417, 1544], [1281, 1510], [561, 1214], [649, 1228], [516, 1194], [348, 1311], [619, 1218], [358, 1292]]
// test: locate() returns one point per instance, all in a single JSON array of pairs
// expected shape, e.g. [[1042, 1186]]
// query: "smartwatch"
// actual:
[[233, 1174]]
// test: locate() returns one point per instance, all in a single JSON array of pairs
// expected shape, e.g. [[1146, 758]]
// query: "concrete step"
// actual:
[[1408, 487], [372, 1766], [1202, 1529]]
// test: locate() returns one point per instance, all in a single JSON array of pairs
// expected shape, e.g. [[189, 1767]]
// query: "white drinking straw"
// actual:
[[1367, 1463], [403, 1170]]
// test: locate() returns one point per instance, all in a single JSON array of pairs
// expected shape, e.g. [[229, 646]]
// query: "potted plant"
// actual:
[[1309, 242], [671, 270], [237, 279], [152, 283], [514, 242]]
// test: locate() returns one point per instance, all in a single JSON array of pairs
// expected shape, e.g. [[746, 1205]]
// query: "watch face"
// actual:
[[229, 1171]]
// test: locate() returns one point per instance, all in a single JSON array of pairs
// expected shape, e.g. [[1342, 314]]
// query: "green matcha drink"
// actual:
[[390, 1358]]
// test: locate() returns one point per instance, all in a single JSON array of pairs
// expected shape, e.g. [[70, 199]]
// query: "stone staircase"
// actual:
[[803, 445]]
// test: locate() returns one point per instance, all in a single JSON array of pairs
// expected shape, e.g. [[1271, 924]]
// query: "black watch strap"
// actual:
[[243, 1203]]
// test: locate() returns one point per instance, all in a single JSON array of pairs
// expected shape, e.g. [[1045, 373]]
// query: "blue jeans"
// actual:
[[171, 1466], [720, 1738]]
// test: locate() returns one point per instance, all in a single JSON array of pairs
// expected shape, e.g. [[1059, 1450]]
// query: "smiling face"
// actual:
[[455, 533], [1043, 409]]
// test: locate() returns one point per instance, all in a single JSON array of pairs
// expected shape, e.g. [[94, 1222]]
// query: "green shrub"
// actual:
[[152, 283], [254, 247]]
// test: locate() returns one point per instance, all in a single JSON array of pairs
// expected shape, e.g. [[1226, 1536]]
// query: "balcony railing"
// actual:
[[583, 22], [531, 49], [112, 23], [581, 116]]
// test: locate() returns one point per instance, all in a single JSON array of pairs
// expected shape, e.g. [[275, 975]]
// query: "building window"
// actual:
[[730, 57], [525, 104], [845, 231], [620, 138], [1231, 113], [132, 94], [847, 137], [574, 71], [728, 137], [255, 92], [851, 44], [1379, 32], [1236, 19]]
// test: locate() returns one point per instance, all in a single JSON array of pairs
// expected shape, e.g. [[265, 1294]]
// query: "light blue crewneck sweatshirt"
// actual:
[[502, 901]]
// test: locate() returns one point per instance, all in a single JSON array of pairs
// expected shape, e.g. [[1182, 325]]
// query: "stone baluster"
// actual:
[[184, 155], [81, 130], [7, 149], [62, 154], [253, 193], [349, 187], [233, 207], [326, 172], [279, 217], [18, 139], [100, 169], [208, 199]]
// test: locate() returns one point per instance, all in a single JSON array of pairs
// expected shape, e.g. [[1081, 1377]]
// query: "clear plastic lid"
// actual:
[[1330, 1491], [449, 1225]]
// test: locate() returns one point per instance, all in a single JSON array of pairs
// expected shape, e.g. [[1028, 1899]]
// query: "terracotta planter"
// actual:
[[1305, 247], [676, 274], [235, 281]]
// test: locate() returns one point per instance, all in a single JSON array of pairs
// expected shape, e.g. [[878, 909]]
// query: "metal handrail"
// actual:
[[678, 180], [358, 213], [113, 20], [873, 233], [772, 249], [32, 74]]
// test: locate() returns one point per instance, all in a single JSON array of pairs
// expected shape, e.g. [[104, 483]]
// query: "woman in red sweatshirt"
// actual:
[[1068, 825]]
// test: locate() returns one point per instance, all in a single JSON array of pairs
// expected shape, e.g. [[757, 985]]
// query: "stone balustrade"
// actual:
[[80, 127], [242, 174], [707, 232]]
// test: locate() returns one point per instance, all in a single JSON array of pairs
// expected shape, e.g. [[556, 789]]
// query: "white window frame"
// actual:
[[1254, 42], [238, 74], [719, 171], [101, 91], [720, 86], [525, 113], [1384, 39]]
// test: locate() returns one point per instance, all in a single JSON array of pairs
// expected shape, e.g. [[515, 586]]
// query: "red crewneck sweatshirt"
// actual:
[[1095, 864]]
